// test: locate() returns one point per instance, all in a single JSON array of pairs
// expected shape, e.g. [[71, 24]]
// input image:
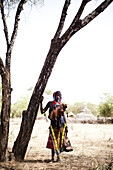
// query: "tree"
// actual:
[[76, 107], [57, 43], [106, 106], [6, 73], [20, 105], [93, 108]]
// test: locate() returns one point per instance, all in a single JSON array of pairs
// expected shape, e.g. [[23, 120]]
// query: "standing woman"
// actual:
[[52, 105]]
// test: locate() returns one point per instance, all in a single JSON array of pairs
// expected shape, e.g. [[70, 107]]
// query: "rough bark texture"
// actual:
[[5, 116], [6, 81]]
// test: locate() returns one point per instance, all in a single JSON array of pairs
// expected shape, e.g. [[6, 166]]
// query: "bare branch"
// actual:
[[96, 12], [14, 34], [80, 11], [62, 20], [4, 22], [79, 24], [17, 18], [76, 21]]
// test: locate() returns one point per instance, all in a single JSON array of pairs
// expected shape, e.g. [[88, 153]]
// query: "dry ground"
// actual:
[[92, 148]]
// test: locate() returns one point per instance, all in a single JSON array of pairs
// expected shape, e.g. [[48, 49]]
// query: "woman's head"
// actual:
[[57, 96]]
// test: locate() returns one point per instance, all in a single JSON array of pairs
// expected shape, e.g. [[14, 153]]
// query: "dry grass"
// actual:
[[92, 147]]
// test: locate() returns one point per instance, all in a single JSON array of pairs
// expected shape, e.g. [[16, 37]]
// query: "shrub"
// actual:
[[77, 107], [18, 107], [106, 106]]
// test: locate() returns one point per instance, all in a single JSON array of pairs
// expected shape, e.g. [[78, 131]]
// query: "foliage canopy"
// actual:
[[11, 4], [106, 106]]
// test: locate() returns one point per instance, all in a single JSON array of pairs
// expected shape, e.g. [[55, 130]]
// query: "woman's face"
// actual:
[[57, 96]]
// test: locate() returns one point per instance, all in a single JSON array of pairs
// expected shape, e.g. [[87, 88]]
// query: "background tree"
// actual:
[[78, 106], [93, 108], [106, 106], [22, 103]]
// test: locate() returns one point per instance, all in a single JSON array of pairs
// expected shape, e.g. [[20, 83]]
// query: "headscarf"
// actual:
[[54, 94], [54, 103]]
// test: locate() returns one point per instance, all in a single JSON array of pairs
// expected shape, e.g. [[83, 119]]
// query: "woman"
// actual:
[[55, 128]]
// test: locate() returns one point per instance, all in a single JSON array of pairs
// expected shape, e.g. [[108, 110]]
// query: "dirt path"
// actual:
[[92, 148]]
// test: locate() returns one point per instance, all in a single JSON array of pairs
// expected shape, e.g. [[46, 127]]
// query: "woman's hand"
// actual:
[[41, 99]]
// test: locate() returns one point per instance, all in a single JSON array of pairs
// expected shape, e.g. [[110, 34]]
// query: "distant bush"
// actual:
[[22, 103], [78, 106], [75, 108], [18, 107], [93, 108], [106, 106]]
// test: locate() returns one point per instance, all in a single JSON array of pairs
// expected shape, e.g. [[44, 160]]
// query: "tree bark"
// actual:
[[5, 116], [6, 81]]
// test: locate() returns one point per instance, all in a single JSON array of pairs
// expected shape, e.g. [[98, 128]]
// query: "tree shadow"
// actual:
[[38, 161]]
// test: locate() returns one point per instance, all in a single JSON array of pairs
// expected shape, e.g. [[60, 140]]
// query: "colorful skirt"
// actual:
[[56, 139]]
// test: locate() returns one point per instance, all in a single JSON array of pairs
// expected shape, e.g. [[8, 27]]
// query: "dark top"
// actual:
[[51, 107]]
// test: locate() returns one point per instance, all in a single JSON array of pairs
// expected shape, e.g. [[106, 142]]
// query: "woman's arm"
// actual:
[[43, 110], [41, 106]]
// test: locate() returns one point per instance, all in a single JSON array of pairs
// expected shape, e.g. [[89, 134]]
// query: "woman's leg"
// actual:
[[52, 153]]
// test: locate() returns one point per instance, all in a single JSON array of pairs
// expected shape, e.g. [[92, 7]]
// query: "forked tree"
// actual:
[[57, 43]]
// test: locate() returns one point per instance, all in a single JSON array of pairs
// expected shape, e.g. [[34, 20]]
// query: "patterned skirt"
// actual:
[[56, 139]]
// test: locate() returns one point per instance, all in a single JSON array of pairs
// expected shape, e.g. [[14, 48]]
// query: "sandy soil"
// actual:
[[92, 148]]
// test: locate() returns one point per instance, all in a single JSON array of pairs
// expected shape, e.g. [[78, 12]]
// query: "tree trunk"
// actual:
[[6, 80], [20, 145], [30, 114], [5, 116]]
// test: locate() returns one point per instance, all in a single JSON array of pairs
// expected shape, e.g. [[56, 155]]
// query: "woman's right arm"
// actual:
[[41, 106]]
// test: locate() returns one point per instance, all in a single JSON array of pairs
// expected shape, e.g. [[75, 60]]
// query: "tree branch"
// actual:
[[4, 22], [79, 24], [62, 20], [96, 12], [17, 18], [80, 11], [75, 21], [14, 34]]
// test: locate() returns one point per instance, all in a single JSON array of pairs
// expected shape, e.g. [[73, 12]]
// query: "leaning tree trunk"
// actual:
[[5, 116], [29, 116]]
